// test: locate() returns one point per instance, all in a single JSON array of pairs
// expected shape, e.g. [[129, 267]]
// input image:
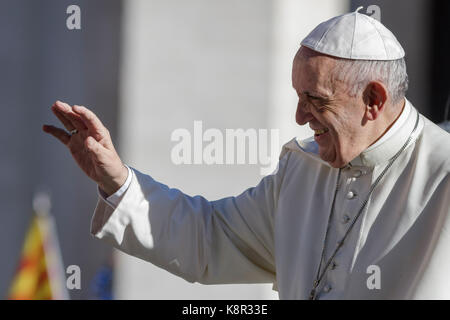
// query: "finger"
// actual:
[[91, 121], [58, 133], [76, 120], [66, 111], [96, 149], [66, 122], [62, 107]]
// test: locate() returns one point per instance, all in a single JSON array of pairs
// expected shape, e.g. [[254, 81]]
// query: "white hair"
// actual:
[[357, 74]]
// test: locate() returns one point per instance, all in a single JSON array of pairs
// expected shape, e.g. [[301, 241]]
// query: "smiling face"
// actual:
[[337, 119]]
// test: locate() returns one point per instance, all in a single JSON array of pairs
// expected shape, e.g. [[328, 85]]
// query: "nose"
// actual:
[[303, 114]]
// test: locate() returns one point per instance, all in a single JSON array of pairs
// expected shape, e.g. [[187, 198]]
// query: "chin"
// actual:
[[333, 160], [338, 165], [326, 156]]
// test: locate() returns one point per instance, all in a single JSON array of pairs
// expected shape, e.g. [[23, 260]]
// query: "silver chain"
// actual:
[[319, 275]]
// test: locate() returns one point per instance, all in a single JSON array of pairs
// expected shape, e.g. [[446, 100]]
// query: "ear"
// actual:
[[375, 96]]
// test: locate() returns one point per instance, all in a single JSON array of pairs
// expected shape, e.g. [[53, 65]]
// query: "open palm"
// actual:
[[90, 146]]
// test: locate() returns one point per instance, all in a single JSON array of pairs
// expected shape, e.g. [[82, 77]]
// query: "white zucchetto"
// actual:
[[354, 36]]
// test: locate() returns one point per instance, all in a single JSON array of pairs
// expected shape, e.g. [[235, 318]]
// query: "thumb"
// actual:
[[95, 148]]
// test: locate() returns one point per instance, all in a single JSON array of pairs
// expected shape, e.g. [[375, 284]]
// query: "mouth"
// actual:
[[319, 132]]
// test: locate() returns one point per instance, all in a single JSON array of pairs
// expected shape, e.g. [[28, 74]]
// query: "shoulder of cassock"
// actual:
[[435, 146]]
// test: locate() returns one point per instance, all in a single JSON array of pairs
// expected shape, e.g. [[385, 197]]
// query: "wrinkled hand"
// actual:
[[91, 146]]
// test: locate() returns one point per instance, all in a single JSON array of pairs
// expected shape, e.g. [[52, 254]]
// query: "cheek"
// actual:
[[344, 139], [339, 137]]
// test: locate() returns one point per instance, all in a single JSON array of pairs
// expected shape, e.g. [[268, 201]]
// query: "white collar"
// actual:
[[397, 124]]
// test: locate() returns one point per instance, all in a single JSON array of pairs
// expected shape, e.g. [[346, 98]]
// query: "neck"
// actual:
[[391, 118]]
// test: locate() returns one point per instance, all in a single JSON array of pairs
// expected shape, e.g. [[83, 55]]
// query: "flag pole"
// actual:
[[55, 265]]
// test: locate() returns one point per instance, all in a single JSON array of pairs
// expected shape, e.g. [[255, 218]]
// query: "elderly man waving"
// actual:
[[359, 211]]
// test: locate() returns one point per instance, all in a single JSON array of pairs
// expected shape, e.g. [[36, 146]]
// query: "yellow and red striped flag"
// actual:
[[40, 274]]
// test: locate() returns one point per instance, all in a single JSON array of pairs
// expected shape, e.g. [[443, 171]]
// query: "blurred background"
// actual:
[[147, 68]]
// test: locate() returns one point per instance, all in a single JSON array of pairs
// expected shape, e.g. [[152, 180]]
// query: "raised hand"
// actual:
[[90, 146]]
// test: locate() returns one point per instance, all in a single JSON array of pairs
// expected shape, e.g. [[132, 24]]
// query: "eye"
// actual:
[[314, 104], [302, 104]]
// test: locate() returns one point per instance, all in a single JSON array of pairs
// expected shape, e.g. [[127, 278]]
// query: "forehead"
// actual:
[[311, 72]]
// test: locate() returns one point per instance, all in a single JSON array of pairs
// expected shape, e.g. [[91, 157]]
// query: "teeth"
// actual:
[[321, 131]]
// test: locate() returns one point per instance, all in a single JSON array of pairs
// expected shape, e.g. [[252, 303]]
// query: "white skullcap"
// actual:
[[354, 36]]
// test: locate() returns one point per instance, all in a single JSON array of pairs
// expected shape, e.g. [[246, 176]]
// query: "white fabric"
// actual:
[[354, 36], [274, 232], [115, 198], [397, 125]]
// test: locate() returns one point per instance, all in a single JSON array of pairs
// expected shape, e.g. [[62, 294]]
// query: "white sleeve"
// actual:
[[230, 240], [115, 198]]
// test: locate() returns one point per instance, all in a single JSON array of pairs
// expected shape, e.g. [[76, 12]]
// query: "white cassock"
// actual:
[[275, 231]]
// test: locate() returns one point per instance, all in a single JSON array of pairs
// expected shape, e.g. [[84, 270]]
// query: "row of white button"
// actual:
[[350, 195]]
